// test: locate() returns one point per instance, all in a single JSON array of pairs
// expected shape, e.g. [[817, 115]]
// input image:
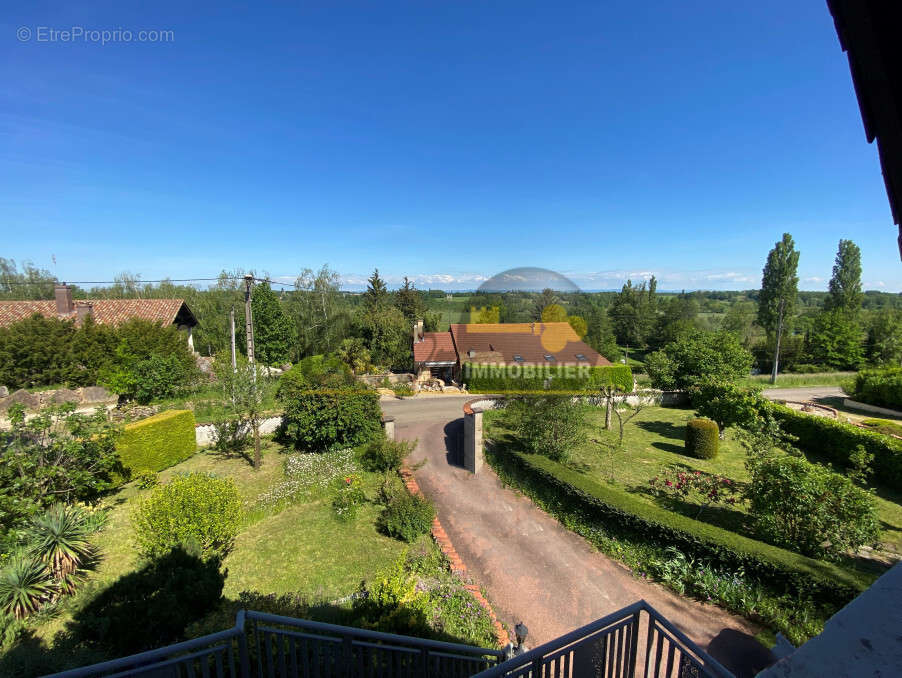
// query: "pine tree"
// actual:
[[274, 332], [376, 295], [409, 301], [779, 289]]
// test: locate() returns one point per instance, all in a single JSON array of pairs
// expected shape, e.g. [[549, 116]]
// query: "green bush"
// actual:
[[158, 442], [882, 387], [834, 441], [483, 378], [549, 425], [147, 479], [326, 408], [701, 438], [696, 356], [628, 518], [407, 517], [193, 509], [381, 454], [809, 508], [151, 607], [349, 497]]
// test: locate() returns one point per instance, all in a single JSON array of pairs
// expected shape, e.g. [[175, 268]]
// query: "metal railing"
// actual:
[[287, 647], [269, 646], [613, 647]]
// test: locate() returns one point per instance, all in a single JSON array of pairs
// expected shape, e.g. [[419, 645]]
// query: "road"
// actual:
[[812, 393], [532, 569]]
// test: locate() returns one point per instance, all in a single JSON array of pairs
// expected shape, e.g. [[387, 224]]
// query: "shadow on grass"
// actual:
[[669, 447], [664, 429]]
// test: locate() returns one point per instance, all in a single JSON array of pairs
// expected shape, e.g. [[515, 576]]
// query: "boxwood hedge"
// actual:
[[834, 441], [702, 436], [488, 378], [882, 387], [631, 519], [158, 442]]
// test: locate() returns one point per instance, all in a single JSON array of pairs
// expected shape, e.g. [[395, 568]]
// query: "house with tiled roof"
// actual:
[[442, 354], [102, 311]]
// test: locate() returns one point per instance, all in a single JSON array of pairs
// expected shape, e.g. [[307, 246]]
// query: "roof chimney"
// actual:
[[418, 335], [63, 294], [83, 309]]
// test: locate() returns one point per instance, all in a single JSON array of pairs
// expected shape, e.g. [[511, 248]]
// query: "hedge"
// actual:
[[487, 378], [882, 388], [626, 517], [158, 442], [834, 441]]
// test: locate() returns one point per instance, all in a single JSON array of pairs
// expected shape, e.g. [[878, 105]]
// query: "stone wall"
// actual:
[[87, 396]]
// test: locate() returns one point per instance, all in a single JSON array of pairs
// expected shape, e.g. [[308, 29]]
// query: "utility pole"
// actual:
[[248, 317], [232, 332]]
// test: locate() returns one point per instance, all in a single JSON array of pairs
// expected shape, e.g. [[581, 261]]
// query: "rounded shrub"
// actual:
[[196, 509], [701, 438], [407, 517]]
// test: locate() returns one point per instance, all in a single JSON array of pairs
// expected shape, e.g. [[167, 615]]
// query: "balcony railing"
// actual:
[[617, 646], [269, 646]]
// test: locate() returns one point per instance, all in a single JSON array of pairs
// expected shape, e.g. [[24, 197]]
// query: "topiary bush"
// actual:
[[407, 516], [152, 606], [196, 509], [701, 438], [158, 442]]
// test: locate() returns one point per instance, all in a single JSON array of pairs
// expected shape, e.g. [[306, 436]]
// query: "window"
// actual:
[[580, 356], [549, 357], [518, 358]]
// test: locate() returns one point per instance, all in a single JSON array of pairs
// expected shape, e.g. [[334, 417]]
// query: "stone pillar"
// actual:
[[472, 440], [388, 425]]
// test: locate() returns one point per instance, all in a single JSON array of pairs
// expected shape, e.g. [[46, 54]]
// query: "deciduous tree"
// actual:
[[779, 289]]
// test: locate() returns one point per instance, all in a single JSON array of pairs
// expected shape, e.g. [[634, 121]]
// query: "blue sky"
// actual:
[[442, 140]]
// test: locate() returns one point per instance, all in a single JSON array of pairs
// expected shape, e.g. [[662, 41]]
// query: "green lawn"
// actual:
[[799, 380], [654, 440]]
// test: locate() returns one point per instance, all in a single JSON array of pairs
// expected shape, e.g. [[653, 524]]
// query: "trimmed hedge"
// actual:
[[486, 378], [882, 388], [158, 442], [632, 519], [834, 441], [701, 438]]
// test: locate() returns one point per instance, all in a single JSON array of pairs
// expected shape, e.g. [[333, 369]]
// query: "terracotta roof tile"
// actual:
[[435, 347], [105, 311], [531, 341]]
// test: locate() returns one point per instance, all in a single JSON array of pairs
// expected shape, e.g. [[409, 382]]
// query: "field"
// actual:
[[789, 380]]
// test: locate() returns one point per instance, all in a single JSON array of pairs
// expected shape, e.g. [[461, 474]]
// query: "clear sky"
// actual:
[[446, 140]]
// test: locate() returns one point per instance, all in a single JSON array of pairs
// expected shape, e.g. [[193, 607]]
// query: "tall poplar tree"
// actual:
[[779, 289], [845, 285]]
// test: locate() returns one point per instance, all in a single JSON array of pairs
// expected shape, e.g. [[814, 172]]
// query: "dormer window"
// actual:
[[549, 357], [580, 356], [518, 358]]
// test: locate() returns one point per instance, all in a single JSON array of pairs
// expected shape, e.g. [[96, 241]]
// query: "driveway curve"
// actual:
[[532, 568]]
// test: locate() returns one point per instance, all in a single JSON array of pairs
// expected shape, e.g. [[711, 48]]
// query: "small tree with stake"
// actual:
[[625, 413], [244, 388]]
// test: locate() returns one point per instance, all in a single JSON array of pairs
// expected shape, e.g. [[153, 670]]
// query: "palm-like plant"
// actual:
[[25, 584], [59, 538]]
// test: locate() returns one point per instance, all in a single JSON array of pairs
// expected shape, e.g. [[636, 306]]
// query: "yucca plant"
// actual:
[[59, 538], [25, 584]]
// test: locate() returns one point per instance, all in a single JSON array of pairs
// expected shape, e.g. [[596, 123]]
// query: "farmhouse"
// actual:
[[102, 311], [441, 354]]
